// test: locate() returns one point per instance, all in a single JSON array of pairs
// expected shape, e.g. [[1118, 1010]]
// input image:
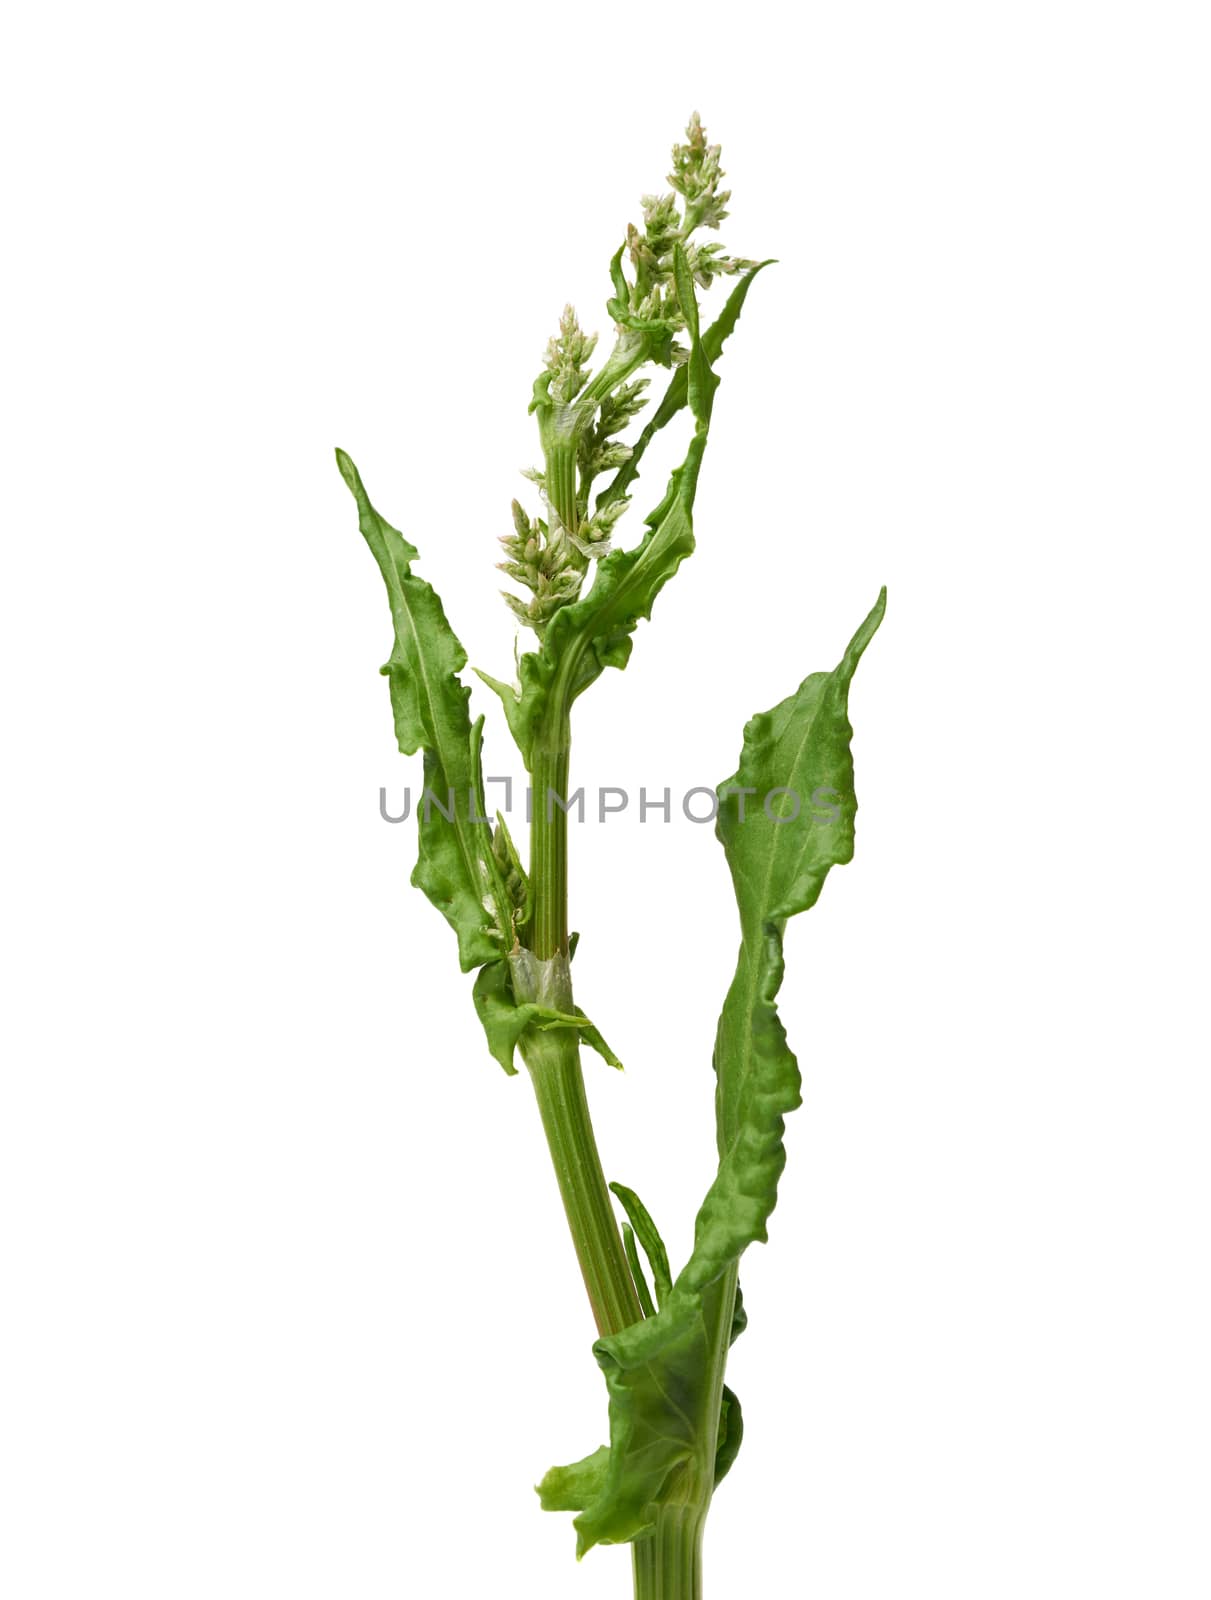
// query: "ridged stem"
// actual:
[[549, 842], [561, 481], [553, 1056], [668, 1563], [554, 1062]]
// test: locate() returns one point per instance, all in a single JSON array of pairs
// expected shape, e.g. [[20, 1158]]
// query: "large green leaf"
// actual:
[[594, 632], [778, 868], [665, 1374], [456, 866]]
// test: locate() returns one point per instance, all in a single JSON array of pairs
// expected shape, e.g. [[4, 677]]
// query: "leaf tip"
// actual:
[[584, 1543], [866, 632]]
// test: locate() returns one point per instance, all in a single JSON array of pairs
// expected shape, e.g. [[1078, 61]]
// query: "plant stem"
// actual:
[[554, 1062], [553, 1057], [549, 841], [668, 1564], [561, 480]]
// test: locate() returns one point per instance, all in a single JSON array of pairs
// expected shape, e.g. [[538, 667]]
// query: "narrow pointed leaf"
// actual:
[[592, 1037], [637, 1272], [649, 1237]]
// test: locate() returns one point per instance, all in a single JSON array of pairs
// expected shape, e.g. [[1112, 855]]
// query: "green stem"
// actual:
[[553, 1057], [554, 1062], [549, 842], [561, 480], [564, 424], [668, 1563]]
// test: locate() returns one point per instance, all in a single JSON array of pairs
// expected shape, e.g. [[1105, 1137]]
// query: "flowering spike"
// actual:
[[580, 413]]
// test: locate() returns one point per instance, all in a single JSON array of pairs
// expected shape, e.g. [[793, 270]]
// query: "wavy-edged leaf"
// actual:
[[673, 1429], [455, 866], [594, 632], [659, 1426], [778, 867]]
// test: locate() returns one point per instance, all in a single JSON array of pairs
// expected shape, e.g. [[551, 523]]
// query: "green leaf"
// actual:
[[670, 1434], [456, 867], [637, 1272], [731, 1432], [657, 1426], [778, 869], [649, 1237], [593, 633], [570, 1488], [513, 875], [739, 1318], [504, 1021], [592, 1037], [521, 708], [620, 305], [676, 396]]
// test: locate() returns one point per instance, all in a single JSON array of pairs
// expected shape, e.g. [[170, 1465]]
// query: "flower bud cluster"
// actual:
[[540, 555], [580, 415]]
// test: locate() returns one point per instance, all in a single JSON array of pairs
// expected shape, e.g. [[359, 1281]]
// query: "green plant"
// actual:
[[674, 1427]]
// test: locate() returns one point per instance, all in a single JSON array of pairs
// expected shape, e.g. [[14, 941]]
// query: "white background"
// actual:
[[289, 1307]]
